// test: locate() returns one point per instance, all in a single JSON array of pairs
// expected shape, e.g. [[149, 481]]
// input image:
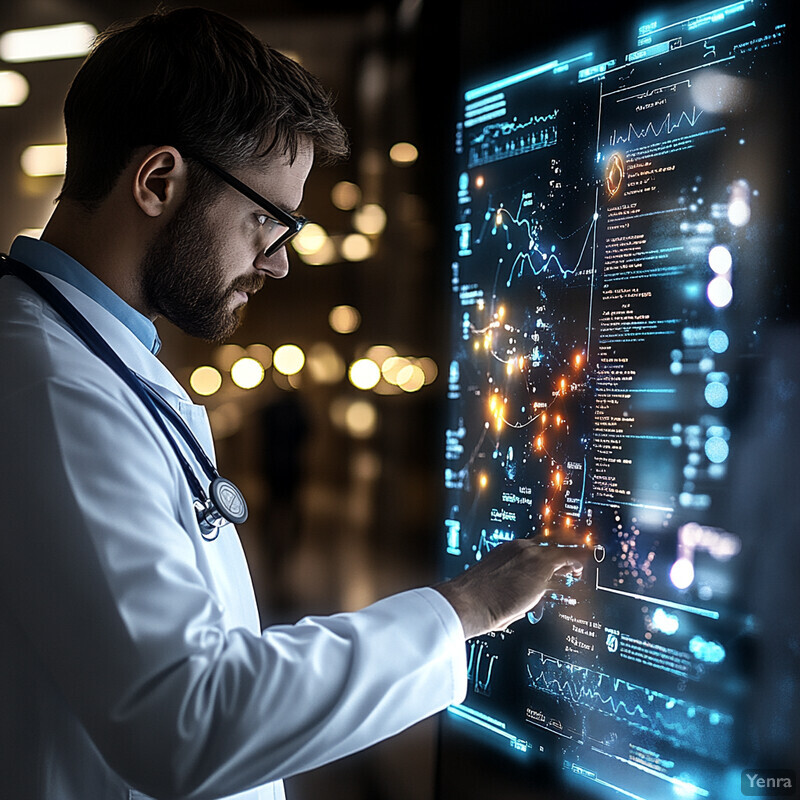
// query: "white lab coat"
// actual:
[[132, 657]]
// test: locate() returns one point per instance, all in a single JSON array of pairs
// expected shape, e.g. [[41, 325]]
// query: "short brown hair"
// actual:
[[194, 79]]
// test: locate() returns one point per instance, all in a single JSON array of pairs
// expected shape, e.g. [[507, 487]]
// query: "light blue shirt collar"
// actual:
[[46, 257]]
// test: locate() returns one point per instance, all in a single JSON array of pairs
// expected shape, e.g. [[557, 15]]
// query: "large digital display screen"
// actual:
[[616, 271]]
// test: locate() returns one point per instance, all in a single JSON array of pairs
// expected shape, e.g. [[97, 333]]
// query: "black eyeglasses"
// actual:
[[280, 227]]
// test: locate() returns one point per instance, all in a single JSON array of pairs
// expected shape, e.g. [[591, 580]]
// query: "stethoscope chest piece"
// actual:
[[226, 504]]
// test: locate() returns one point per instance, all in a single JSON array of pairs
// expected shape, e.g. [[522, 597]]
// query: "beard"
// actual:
[[183, 277]]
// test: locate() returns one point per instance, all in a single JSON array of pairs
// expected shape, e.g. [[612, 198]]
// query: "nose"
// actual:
[[276, 265]]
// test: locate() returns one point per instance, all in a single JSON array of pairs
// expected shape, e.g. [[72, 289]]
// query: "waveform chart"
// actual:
[[617, 710]]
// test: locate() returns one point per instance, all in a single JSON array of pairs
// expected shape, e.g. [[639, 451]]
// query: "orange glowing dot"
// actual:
[[483, 480], [538, 442], [501, 312], [498, 218], [563, 385], [479, 181], [521, 362], [547, 511], [558, 479], [547, 531], [544, 418], [588, 538], [493, 402], [558, 419], [568, 522], [578, 360]]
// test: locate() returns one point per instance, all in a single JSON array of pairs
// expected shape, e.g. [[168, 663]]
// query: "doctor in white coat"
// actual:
[[133, 663]]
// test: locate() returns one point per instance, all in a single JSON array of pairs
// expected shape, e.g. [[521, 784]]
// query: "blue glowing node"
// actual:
[[665, 622], [692, 290], [716, 394], [716, 450], [702, 650], [718, 341]]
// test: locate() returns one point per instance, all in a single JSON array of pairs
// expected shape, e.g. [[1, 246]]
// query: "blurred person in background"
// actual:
[[133, 663]]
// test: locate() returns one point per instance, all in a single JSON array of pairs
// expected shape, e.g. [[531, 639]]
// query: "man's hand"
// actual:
[[507, 583]]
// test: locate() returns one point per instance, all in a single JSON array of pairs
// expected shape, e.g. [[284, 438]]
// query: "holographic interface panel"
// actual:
[[611, 263]]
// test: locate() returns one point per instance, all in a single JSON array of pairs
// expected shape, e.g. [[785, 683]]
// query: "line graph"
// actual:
[[500, 221], [670, 718], [667, 126], [506, 139]]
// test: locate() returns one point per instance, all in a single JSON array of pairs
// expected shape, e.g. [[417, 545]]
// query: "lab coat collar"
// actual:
[[48, 258], [122, 340]]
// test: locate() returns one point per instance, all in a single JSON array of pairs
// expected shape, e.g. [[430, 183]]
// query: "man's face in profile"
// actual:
[[202, 266]]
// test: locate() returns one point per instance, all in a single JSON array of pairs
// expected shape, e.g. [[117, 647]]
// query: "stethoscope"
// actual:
[[224, 502]]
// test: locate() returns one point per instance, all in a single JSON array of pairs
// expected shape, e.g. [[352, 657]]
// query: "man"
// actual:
[[133, 661]]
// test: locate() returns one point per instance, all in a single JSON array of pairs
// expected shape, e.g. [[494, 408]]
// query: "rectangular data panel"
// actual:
[[616, 270]]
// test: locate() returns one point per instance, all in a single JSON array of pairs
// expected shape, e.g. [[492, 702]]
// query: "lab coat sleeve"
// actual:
[[105, 581]]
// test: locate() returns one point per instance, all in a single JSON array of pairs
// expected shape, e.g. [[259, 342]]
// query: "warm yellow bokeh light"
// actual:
[[226, 354], [44, 160], [327, 254], [403, 154], [370, 219], [260, 352], [356, 247], [344, 319], [345, 195], [205, 381], [324, 364], [288, 359], [392, 367], [361, 419], [14, 88], [380, 352], [429, 368], [411, 378], [247, 373], [364, 373], [69, 40], [311, 239]]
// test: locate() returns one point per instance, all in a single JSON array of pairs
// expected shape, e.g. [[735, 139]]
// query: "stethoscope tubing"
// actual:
[[158, 407]]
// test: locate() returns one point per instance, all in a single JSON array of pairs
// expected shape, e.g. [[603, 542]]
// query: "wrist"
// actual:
[[472, 615]]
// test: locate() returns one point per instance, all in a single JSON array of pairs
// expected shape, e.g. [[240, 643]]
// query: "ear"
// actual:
[[159, 181]]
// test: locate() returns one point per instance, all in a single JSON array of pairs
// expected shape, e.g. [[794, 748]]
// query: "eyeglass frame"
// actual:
[[293, 223]]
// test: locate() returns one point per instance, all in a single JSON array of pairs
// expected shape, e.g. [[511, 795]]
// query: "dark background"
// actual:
[[365, 519]]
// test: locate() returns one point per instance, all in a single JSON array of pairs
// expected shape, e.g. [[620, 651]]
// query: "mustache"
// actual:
[[248, 284]]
